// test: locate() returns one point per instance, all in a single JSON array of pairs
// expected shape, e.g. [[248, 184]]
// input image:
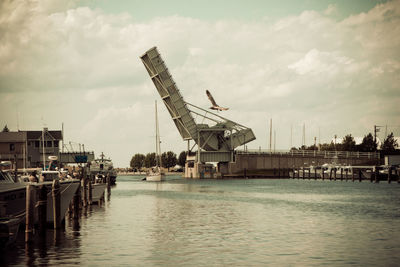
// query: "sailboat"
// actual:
[[155, 174]]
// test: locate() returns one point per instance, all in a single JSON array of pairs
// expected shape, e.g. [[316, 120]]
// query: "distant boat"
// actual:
[[155, 174], [102, 167]]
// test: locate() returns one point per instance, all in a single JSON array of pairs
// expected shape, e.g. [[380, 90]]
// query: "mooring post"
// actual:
[[334, 174], [84, 192], [76, 202], [377, 175], [341, 174], [372, 175], [330, 174], [323, 173], [42, 209], [315, 173], [56, 204], [347, 174], [389, 174], [108, 185], [359, 175], [30, 212], [90, 190]]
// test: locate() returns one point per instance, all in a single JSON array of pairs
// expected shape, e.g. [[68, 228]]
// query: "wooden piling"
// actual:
[[377, 178], [330, 174], [90, 191], [334, 174], [315, 173], [323, 173], [42, 209], [347, 174], [56, 204], [30, 212], [109, 185], [341, 174], [84, 192], [76, 201], [359, 175]]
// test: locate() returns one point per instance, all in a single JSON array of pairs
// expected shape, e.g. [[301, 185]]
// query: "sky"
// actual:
[[333, 66]]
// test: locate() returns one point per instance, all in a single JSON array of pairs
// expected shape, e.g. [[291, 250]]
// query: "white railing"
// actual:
[[312, 153]]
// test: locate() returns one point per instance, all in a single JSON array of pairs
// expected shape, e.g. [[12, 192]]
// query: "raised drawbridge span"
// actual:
[[216, 137]]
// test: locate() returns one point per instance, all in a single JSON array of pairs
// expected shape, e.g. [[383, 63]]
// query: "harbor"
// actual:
[[253, 133]]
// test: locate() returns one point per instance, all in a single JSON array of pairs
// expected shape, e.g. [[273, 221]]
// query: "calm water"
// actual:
[[229, 222]]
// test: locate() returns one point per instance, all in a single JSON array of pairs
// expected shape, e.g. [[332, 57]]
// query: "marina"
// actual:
[[245, 133]]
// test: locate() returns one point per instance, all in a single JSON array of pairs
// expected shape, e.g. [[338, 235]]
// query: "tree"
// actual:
[[389, 144], [168, 159], [150, 160], [182, 158], [5, 129], [137, 161], [368, 143], [348, 143]]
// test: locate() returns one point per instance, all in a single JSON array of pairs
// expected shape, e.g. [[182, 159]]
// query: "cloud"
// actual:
[[306, 68]]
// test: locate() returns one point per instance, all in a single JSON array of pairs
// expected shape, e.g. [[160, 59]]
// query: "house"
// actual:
[[29, 148]]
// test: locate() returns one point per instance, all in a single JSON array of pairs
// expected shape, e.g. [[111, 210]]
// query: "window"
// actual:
[[37, 143], [55, 143], [48, 144], [12, 147]]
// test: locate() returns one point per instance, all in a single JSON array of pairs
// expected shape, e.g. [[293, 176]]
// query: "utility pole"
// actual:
[[270, 136], [291, 136]]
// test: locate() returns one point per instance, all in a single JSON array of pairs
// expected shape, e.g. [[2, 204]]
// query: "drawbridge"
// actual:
[[215, 136]]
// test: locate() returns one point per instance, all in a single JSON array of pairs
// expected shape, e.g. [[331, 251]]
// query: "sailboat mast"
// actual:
[[158, 149]]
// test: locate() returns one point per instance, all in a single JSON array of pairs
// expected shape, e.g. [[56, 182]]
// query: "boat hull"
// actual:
[[67, 189], [155, 177], [98, 192]]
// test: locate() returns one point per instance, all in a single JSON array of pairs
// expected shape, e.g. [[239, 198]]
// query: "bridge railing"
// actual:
[[312, 153]]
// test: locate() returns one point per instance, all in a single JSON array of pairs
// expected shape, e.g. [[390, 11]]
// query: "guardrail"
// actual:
[[313, 153]]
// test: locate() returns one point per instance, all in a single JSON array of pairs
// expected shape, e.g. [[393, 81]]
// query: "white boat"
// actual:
[[103, 167], [68, 188], [155, 174], [98, 190]]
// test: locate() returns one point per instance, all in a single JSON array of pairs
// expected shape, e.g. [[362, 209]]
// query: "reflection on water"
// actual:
[[230, 222]]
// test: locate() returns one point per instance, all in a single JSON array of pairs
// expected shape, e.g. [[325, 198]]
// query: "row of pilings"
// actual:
[[356, 174], [37, 196]]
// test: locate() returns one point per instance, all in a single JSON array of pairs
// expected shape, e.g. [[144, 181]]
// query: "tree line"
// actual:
[[168, 160], [368, 144]]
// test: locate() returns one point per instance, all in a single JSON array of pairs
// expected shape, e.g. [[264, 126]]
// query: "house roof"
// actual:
[[22, 136], [12, 136], [37, 134]]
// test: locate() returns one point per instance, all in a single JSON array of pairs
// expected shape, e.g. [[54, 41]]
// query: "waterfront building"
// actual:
[[28, 148]]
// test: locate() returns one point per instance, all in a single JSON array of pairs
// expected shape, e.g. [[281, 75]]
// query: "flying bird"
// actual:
[[214, 104]]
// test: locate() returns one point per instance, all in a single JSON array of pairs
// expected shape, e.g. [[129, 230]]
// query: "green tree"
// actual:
[[389, 144], [368, 143], [348, 143], [168, 159], [182, 158], [328, 147], [5, 129], [150, 160], [137, 161]]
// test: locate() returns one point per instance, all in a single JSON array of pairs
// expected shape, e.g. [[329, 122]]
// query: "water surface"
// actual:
[[229, 222]]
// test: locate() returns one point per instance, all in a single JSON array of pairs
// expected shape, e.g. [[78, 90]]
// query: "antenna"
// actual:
[[270, 135], [291, 136]]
